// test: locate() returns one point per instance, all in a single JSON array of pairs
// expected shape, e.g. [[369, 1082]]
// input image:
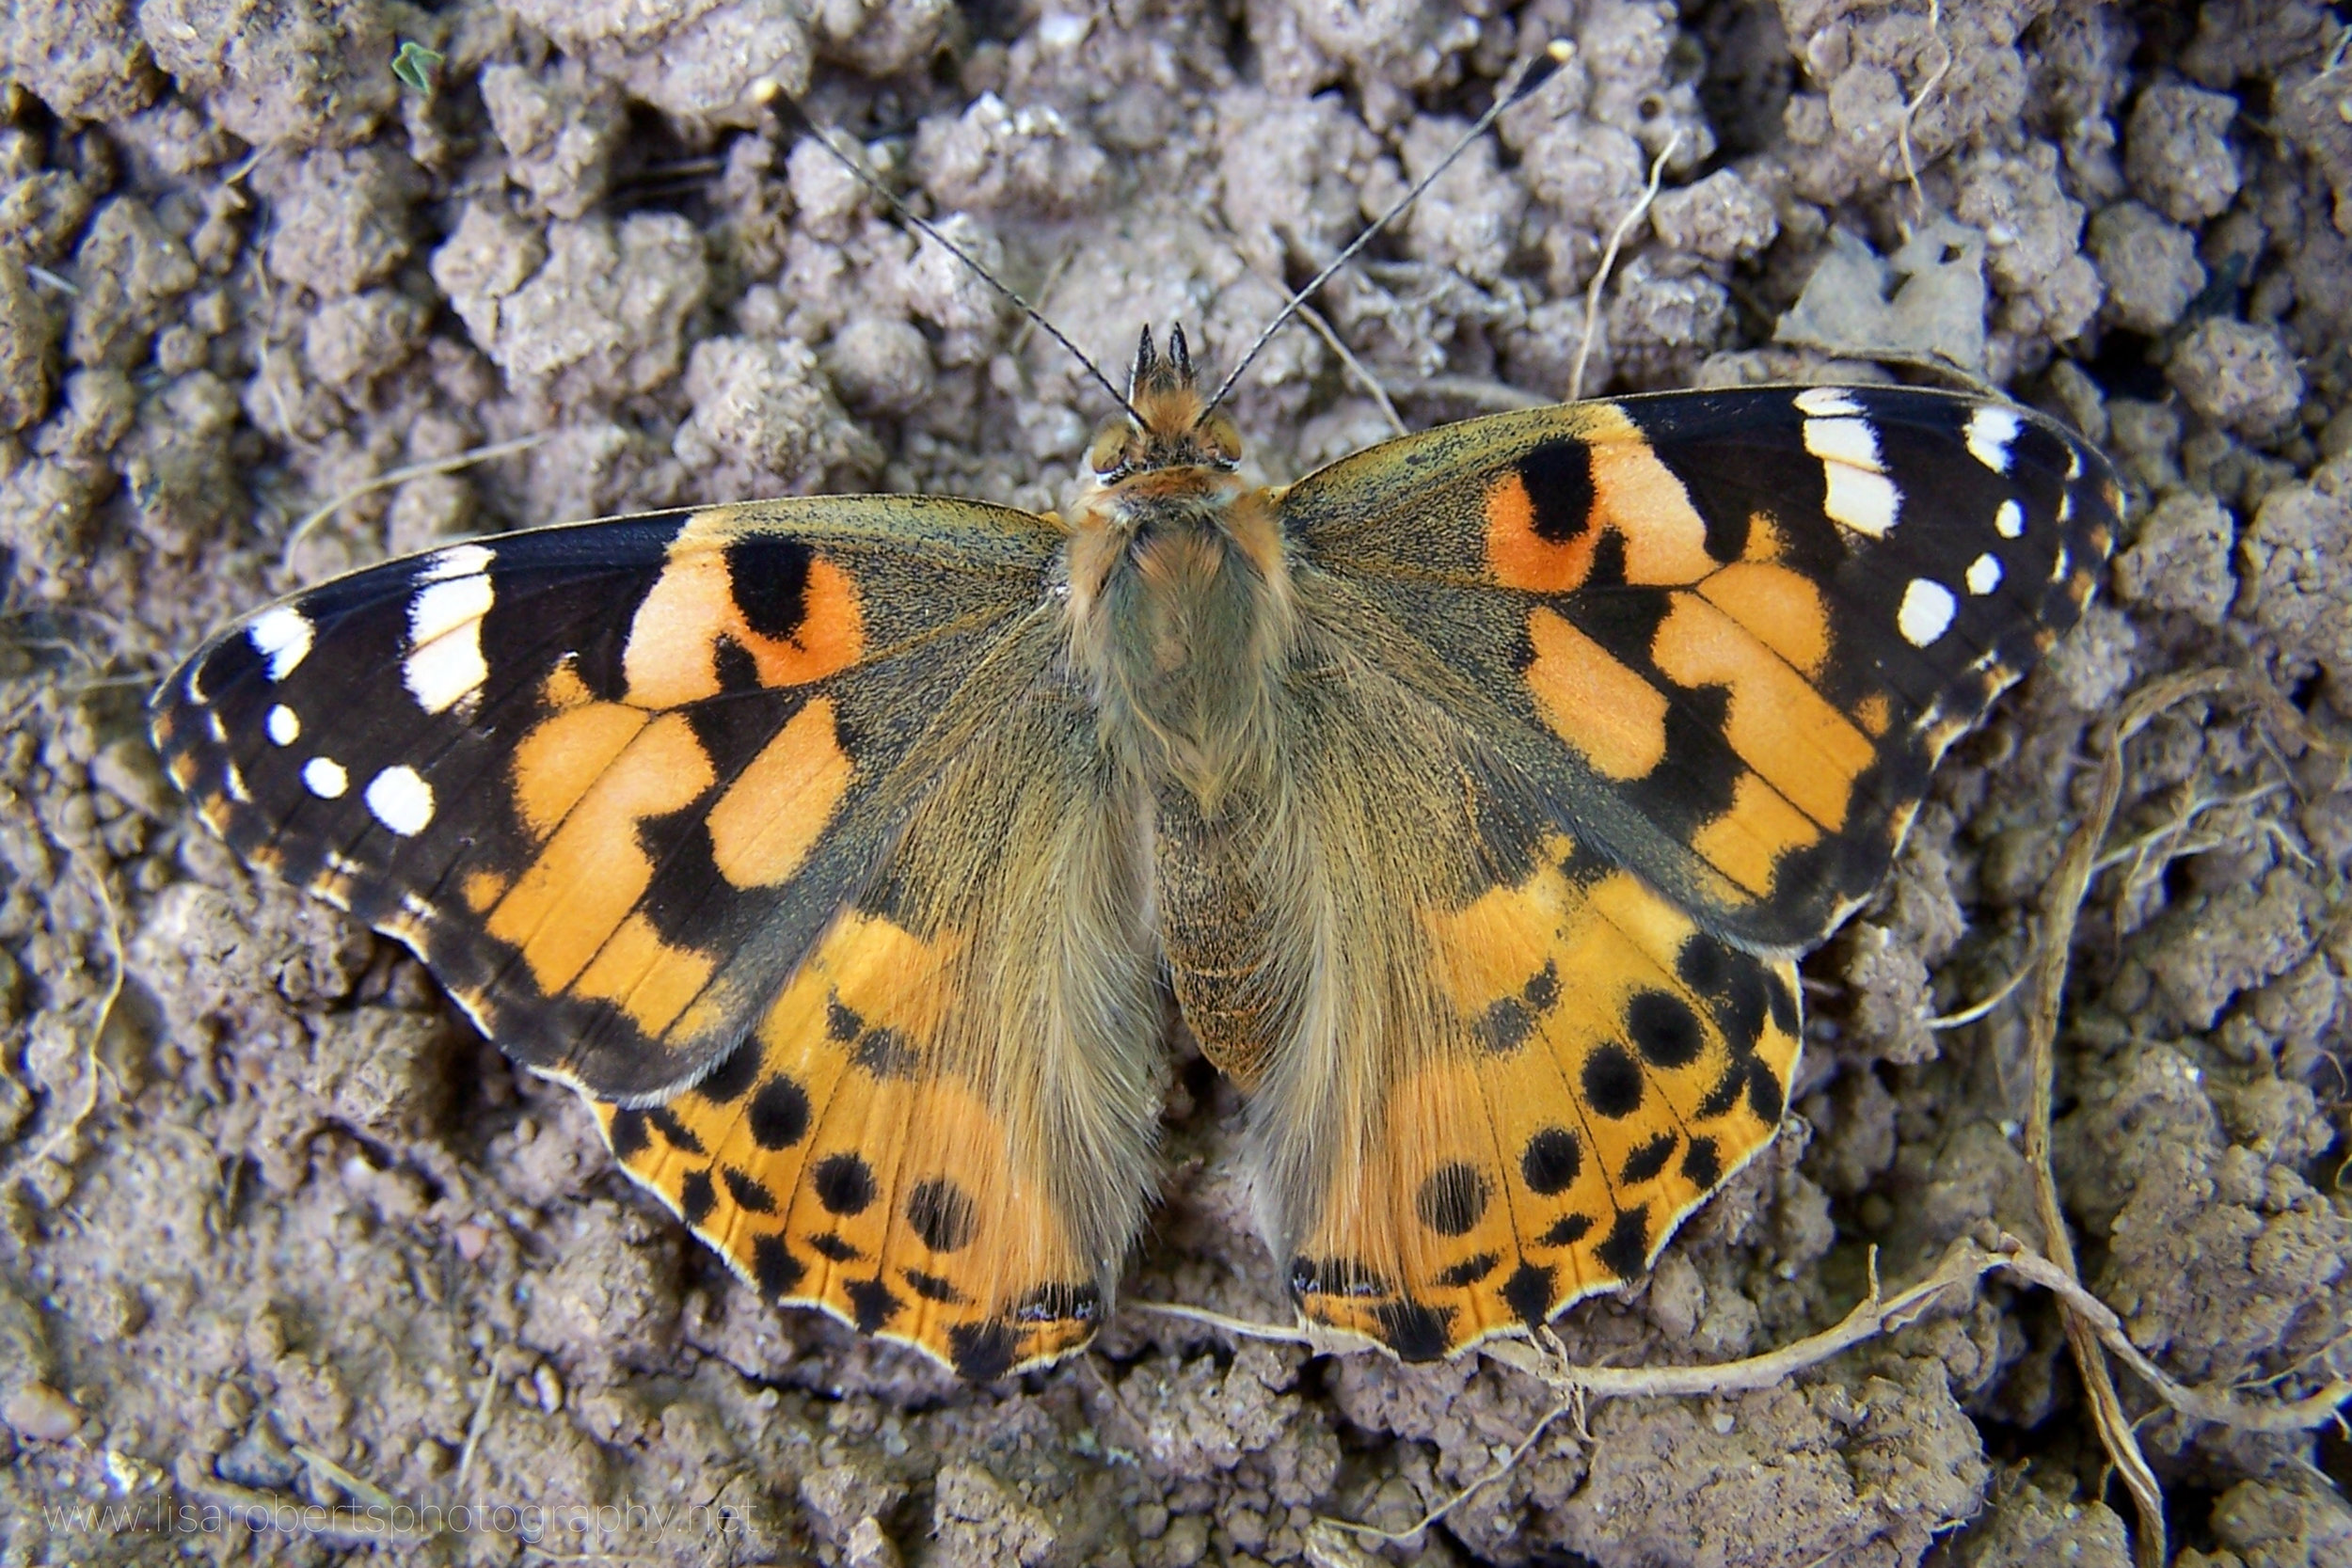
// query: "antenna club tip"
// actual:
[[1540, 70]]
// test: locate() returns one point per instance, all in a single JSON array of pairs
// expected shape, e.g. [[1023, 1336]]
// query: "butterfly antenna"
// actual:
[[1532, 75], [779, 103]]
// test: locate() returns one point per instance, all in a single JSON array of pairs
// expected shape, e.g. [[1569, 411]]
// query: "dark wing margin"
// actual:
[[1724, 635], [611, 781]]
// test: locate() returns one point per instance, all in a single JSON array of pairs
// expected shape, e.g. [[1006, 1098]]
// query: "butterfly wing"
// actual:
[[1604, 711], [611, 781], [1724, 635], [1511, 1065], [783, 801], [941, 1132]]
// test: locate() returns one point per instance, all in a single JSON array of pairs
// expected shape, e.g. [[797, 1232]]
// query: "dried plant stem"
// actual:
[[1609, 263]]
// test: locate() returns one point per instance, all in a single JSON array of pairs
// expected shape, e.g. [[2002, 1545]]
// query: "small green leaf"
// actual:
[[415, 64]]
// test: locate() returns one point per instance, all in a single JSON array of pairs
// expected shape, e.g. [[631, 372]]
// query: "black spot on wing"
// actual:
[[873, 1304], [1566, 1230], [1469, 1271], [941, 1214], [1702, 1165], [844, 1183], [695, 1197], [1626, 1246], [982, 1352], [1559, 478], [779, 1113], [749, 1194], [1530, 1293], [1613, 1082], [626, 1133], [930, 1287], [841, 1249], [735, 1072], [1664, 1029], [1732, 981], [1415, 1330], [1551, 1161], [773, 1267], [678, 1136], [1649, 1158], [1766, 1094], [1452, 1198], [768, 574]]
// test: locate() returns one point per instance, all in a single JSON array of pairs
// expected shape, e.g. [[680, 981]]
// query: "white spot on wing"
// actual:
[[325, 778], [1984, 574], [1861, 500], [402, 801], [1926, 612], [1826, 402], [445, 665], [1989, 431], [447, 606], [2059, 567], [233, 777], [284, 727], [459, 561], [1852, 442], [2010, 521], [282, 636]]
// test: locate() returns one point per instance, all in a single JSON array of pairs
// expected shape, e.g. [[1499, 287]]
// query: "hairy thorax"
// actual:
[[1180, 620]]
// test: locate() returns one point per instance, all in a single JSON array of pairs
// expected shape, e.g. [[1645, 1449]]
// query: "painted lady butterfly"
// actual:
[[1473, 795]]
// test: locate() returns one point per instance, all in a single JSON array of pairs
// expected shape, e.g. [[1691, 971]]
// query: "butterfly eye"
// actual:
[[1107, 456], [1222, 436]]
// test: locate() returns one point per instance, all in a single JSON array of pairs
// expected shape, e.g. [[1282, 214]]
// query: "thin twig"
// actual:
[[25, 1164], [1475, 390], [1371, 382], [477, 1425], [2062, 908], [1976, 1010], [414, 470], [1609, 263], [1963, 1267], [1919, 101]]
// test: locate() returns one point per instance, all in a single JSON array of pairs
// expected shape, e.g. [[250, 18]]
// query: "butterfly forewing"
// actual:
[[1654, 688], [1726, 634], [612, 780]]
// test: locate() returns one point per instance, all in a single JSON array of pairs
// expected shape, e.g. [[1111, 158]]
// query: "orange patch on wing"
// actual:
[[557, 763], [672, 654], [1519, 556], [763, 826], [590, 874], [1873, 714], [646, 977], [1492, 946], [1608, 713], [563, 689], [1747, 841], [481, 889], [1779, 725], [887, 1194], [1782, 609], [1665, 538]]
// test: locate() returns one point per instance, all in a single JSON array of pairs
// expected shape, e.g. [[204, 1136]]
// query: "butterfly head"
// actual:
[[1166, 429]]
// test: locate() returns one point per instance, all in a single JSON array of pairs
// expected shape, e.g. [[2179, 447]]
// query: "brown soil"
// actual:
[[280, 1233]]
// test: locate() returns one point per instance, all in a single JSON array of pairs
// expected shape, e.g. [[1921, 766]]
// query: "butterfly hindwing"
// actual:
[[1727, 634], [611, 781], [1506, 1067], [941, 1132]]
